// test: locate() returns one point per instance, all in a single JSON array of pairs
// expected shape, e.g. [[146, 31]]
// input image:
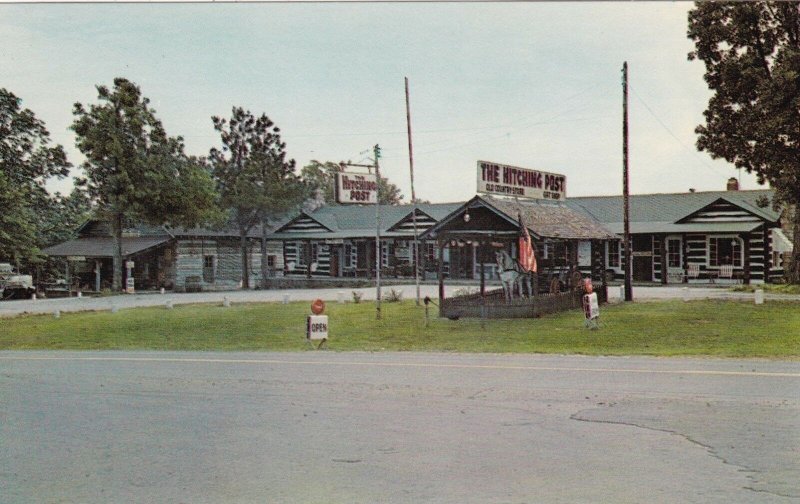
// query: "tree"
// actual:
[[134, 171], [26, 163], [751, 52], [255, 180], [321, 178]]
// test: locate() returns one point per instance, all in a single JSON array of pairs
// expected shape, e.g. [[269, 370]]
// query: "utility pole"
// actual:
[[413, 194], [625, 196], [378, 262]]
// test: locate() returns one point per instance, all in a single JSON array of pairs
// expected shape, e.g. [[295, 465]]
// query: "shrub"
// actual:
[[393, 296]]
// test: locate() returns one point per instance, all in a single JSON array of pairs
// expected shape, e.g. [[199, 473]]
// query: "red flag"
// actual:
[[527, 256]]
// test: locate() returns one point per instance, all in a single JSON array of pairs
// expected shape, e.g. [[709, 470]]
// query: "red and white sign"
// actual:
[[359, 188], [591, 308], [317, 327], [494, 178]]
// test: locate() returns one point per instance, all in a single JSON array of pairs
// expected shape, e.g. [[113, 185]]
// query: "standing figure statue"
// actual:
[[511, 274]]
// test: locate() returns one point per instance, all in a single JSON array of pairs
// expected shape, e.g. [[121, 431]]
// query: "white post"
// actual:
[[759, 296], [685, 292]]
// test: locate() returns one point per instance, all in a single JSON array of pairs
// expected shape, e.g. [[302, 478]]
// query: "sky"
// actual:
[[534, 85]]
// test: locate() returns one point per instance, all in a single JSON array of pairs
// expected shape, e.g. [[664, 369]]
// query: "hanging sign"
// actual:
[[495, 178], [356, 188]]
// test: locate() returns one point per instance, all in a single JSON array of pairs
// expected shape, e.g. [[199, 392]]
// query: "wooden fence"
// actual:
[[494, 305]]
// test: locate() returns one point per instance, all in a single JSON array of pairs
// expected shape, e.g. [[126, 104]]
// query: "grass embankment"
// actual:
[[718, 328]]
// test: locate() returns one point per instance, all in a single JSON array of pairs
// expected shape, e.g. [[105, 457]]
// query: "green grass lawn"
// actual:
[[717, 328]]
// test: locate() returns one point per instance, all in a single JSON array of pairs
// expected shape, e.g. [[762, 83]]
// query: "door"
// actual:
[[642, 246], [674, 259], [335, 259]]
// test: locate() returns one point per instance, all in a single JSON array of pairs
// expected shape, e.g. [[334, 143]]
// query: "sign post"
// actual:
[[317, 324], [129, 282]]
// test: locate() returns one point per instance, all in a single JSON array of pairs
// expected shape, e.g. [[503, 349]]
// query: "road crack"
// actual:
[[749, 472]]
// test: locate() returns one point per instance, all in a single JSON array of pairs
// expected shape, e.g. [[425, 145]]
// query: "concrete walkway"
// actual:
[[19, 307]]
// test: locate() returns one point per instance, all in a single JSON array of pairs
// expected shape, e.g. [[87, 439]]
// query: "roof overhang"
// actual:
[[103, 247]]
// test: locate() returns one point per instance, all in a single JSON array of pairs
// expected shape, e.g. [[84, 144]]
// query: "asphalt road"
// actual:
[[19, 307], [98, 427]]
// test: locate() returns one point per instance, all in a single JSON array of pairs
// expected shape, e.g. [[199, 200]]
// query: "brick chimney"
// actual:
[[733, 184]]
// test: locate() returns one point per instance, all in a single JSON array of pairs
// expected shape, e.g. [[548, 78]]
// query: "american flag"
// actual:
[[527, 255]]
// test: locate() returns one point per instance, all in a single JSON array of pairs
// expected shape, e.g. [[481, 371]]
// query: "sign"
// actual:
[[76, 258], [494, 178], [317, 307], [129, 288], [317, 327], [642, 253], [356, 188], [129, 264], [591, 308]]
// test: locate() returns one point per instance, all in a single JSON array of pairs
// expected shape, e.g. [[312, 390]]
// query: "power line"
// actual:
[[655, 116]]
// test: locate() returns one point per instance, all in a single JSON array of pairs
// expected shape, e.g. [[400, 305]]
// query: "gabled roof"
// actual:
[[543, 219], [356, 221], [670, 207]]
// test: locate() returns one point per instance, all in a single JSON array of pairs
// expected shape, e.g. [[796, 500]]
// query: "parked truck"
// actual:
[[13, 285]]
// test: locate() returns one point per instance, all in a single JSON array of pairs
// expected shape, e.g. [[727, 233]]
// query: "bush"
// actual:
[[393, 296]]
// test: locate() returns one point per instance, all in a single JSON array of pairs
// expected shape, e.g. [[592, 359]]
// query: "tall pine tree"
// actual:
[[255, 180], [134, 171]]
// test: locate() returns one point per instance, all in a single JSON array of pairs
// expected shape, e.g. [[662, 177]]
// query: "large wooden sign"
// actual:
[[495, 178], [359, 188]]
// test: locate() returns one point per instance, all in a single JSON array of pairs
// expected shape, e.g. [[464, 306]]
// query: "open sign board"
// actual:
[[317, 327]]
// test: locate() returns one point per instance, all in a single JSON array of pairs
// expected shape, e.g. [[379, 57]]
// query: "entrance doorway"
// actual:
[[642, 258], [674, 259]]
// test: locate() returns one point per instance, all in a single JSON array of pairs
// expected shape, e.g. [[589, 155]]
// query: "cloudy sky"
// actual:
[[536, 85]]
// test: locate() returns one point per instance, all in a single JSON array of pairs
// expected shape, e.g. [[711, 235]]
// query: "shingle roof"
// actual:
[[551, 220], [670, 207]]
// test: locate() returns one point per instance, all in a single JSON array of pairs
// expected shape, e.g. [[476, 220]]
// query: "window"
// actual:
[[725, 250], [208, 269], [271, 260], [613, 254], [348, 255], [430, 252], [673, 253]]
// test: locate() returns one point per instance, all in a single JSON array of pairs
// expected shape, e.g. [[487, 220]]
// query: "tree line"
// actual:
[[135, 172]]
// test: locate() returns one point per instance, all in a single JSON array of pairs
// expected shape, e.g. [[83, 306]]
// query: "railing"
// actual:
[[494, 305]]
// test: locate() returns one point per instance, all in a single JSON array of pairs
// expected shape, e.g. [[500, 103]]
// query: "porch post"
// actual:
[[307, 253], [664, 265], [767, 254], [441, 243], [69, 280], [483, 278], [684, 258], [97, 275], [420, 262], [746, 239]]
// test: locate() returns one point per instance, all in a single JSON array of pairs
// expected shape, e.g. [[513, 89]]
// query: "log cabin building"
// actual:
[[695, 237], [338, 241], [172, 258]]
